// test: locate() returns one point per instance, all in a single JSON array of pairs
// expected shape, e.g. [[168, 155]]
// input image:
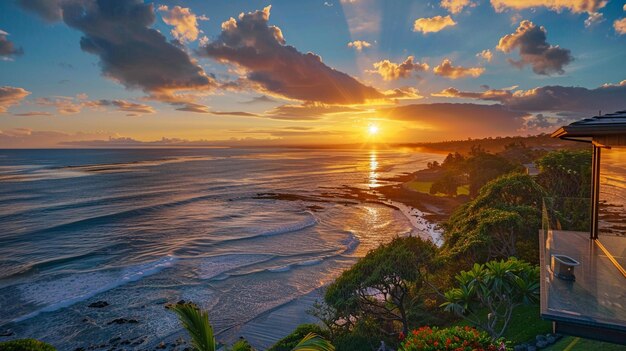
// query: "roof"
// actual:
[[609, 124]]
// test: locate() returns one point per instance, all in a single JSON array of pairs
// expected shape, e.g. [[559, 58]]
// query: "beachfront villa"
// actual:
[[583, 241]]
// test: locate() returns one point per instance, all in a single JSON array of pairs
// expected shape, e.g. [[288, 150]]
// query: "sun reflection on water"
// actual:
[[373, 176]]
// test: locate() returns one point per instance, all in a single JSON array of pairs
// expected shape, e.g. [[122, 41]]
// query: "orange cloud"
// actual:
[[446, 69], [359, 44], [10, 96], [456, 6], [620, 25], [184, 21], [390, 71], [486, 55], [575, 6], [432, 24]]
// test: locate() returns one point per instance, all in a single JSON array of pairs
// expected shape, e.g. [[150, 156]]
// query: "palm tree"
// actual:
[[196, 322]]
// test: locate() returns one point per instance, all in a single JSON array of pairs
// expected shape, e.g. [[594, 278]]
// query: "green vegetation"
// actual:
[[566, 173], [290, 341], [498, 287], [386, 286], [502, 221], [196, 323], [25, 345], [453, 338], [571, 343], [425, 187]]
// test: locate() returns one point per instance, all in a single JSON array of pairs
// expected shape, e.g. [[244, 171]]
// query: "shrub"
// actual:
[[25, 345], [453, 339], [290, 341]]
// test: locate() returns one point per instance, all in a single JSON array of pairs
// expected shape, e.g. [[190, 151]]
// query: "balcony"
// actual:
[[583, 281]]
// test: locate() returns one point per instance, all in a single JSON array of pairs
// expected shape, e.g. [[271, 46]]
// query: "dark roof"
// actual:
[[609, 124]]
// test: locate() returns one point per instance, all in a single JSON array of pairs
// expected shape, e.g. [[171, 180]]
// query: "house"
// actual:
[[583, 241]]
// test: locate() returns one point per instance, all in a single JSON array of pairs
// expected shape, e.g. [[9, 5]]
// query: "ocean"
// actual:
[[139, 228]]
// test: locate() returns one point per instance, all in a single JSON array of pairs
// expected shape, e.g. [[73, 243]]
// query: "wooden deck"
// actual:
[[598, 296]]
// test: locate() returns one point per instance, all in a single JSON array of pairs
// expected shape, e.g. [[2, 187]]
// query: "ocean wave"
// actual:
[[67, 291], [351, 243]]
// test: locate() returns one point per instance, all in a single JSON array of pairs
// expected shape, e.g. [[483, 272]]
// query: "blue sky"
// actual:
[[55, 91]]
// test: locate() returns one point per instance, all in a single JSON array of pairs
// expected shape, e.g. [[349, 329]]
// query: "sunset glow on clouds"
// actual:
[[291, 72]]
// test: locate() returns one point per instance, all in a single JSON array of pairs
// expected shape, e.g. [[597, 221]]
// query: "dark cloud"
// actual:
[[33, 114], [534, 49], [127, 106], [130, 52], [566, 101], [7, 48], [251, 44]]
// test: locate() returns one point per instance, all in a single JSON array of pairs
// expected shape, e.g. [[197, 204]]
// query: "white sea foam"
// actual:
[[215, 267], [423, 228], [309, 221], [64, 292]]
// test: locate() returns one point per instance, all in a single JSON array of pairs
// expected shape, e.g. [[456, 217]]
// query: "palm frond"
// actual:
[[313, 342], [196, 322]]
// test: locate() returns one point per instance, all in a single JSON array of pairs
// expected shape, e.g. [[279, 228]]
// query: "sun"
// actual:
[[372, 129]]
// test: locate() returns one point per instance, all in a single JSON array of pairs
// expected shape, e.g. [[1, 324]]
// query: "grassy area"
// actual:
[[570, 343], [424, 187]]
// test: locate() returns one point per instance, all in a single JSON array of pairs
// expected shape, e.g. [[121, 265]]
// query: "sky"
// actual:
[[80, 73]]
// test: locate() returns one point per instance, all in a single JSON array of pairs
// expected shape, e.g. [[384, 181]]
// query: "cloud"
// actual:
[[391, 71], [33, 114], [131, 52], [456, 6], [184, 21], [594, 18], [279, 69], [7, 48], [308, 111], [263, 99], [403, 93], [620, 25], [127, 106], [566, 101], [10, 96], [432, 24], [446, 69], [447, 121], [71, 105], [359, 44], [28, 138], [486, 55], [575, 6], [534, 50]]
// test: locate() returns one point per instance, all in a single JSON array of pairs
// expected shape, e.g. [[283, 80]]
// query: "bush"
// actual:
[[453, 339], [290, 341], [26, 345]]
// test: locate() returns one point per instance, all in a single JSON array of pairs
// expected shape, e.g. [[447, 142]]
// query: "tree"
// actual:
[[384, 286], [497, 287], [447, 185], [501, 221], [566, 173], [482, 167]]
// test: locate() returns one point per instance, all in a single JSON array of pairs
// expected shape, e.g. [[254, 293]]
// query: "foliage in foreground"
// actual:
[[498, 287], [25, 345], [502, 221], [386, 287], [290, 341], [196, 323], [453, 339]]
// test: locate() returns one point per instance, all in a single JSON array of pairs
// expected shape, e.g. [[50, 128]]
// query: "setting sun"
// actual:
[[372, 129]]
